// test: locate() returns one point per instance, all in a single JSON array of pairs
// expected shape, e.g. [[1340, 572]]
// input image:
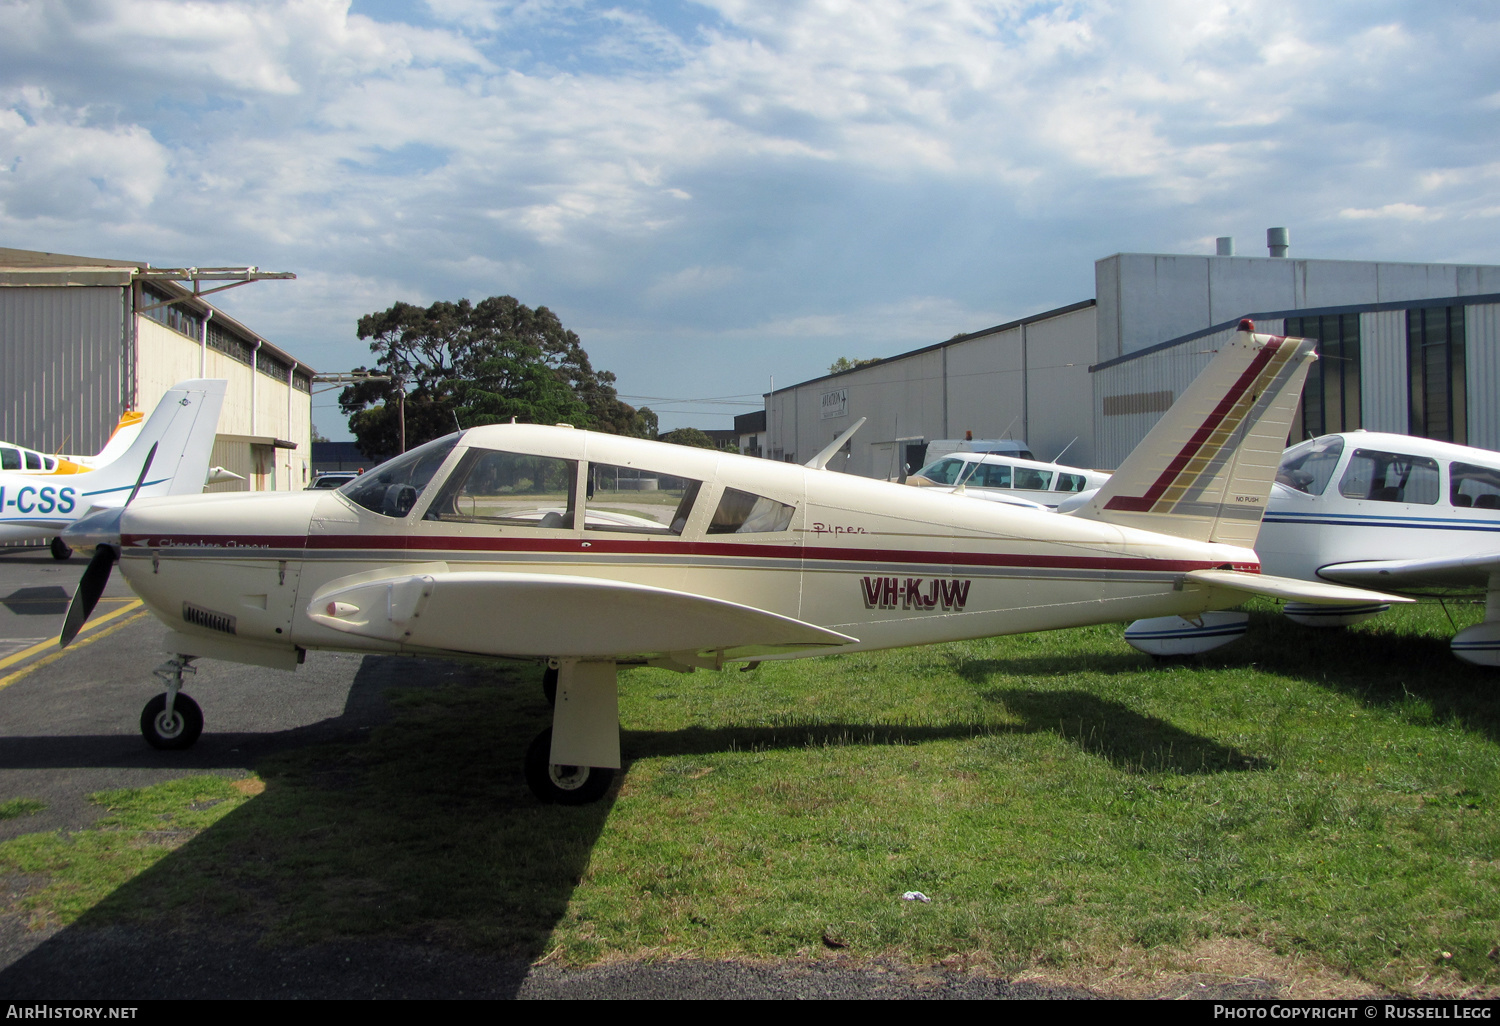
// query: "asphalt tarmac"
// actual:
[[69, 726]]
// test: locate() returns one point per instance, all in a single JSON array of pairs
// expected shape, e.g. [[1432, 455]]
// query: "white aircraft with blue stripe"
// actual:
[[1391, 512], [178, 438]]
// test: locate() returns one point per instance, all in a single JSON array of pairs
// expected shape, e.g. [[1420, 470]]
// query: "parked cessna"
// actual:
[[179, 436], [590, 551]]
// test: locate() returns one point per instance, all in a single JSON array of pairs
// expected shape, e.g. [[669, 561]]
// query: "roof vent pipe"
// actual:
[[1277, 241], [1225, 244]]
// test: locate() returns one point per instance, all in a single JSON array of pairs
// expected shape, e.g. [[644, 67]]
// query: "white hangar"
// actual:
[[1408, 348], [83, 339]]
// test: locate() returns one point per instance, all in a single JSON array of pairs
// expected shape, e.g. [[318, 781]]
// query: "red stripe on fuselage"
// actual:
[[247, 547], [1139, 504]]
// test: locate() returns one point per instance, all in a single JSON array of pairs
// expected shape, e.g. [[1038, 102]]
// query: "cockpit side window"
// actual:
[[510, 489], [10, 459], [394, 487], [1309, 466], [637, 501], [1474, 486], [990, 475], [744, 513], [1390, 477]]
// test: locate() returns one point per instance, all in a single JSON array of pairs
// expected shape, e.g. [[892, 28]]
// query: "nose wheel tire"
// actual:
[[60, 550], [563, 785], [549, 685], [174, 732]]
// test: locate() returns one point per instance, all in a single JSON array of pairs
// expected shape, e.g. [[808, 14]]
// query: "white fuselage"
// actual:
[[1002, 478], [885, 564], [1380, 497]]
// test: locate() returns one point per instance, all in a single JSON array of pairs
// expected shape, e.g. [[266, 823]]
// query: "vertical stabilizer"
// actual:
[[182, 428], [1205, 470]]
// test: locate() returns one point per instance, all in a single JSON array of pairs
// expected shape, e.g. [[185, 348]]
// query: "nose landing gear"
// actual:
[[172, 721]]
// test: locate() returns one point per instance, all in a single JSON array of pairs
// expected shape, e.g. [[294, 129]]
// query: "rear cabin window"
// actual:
[[1309, 467], [33, 461], [509, 489], [636, 501], [1071, 482], [10, 459], [1036, 480], [1474, 486], [743, 513], [1390, 477]]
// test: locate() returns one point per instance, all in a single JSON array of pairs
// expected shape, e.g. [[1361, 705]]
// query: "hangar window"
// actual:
[[1435, 361], [510, 489], [1390, 477], [743, 513], [637, 501], [1330, 399]]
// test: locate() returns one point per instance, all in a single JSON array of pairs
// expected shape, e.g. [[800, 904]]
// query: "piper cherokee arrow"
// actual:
[[589, 551]]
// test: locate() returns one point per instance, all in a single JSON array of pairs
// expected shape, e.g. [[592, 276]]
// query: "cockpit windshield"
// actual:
[[1309, 466], [394, 487]]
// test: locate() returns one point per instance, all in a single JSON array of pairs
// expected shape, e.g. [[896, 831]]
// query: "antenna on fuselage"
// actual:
[[820, 461]]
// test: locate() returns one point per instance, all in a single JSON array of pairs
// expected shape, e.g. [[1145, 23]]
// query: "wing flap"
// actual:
[[1314, 592], [519, 614]]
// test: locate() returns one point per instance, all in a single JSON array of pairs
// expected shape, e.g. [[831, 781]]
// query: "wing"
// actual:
[[1315, 592], [518, 614], [1458, 573]]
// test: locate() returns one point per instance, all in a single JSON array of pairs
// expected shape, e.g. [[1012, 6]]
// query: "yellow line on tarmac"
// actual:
[[27, 653]]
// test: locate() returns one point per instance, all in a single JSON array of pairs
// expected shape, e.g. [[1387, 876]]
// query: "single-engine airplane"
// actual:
[[1393, 512], [20, 460], [179, 435], [590, 551]]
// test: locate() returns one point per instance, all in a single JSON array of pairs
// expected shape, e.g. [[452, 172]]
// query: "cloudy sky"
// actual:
[[713, 193]]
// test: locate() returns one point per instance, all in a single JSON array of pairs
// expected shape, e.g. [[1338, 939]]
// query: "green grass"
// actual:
[[18, 807], [1329, 796]]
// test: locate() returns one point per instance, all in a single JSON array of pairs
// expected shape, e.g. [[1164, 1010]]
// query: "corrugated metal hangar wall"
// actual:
[[1409, 348]]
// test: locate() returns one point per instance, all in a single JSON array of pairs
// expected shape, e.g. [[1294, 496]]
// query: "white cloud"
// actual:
[[691, 168], [1394, 211]]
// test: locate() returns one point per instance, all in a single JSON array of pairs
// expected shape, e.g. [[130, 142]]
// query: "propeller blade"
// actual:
[[145, 469], [95, 577]]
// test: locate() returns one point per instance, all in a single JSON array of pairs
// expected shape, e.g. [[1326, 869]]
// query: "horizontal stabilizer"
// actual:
[[1314, 592], [520, 614]]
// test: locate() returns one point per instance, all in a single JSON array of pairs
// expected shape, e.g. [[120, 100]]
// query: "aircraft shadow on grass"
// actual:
[[417, 833]]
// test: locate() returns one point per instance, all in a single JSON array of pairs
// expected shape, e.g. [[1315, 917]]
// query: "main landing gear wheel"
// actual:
[[549, 685], [174, 732], [60, 550], [563, 785]]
